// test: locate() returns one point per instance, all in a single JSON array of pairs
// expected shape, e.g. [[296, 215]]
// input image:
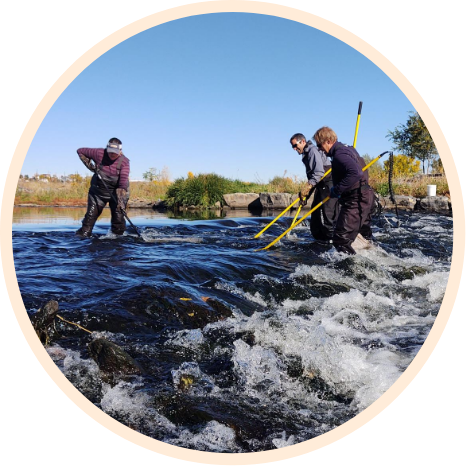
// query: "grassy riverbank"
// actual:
[[205, 190]]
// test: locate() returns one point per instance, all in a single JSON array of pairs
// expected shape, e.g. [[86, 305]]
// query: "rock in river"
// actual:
[[43, 320], [111, 359]]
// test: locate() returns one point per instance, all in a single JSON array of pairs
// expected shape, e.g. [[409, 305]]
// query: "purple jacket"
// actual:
[[112, 169], [347, 167]]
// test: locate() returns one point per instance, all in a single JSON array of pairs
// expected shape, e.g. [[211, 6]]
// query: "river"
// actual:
[[240, 351]]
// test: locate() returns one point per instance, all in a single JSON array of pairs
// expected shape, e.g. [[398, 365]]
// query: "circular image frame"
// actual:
[[225, 6]]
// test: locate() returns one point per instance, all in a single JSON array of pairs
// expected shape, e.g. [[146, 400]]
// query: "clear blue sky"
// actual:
[[219, 93]]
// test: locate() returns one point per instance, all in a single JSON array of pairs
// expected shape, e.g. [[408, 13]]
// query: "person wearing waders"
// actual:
[[350, 187], [316, 163], [110, 184]]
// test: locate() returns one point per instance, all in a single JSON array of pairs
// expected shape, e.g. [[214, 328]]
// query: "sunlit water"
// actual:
[[314, 336]]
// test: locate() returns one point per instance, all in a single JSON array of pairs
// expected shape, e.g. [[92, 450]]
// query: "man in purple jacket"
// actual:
[[110, 184], [316, 164], [350, 187]]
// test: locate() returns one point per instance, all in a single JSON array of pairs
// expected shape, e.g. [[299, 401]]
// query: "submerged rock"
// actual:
[[170, 308], [111, 359]]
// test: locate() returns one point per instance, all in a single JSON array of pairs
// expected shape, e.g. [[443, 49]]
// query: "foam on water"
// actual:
[[435, 283], [214, 437], [313, 339]]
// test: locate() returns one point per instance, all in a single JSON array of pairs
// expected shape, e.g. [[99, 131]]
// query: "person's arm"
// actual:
[[316, 171], [123, 182], [94, 154]]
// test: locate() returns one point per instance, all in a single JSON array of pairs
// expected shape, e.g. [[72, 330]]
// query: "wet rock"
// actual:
[[183, 410], [171, 308], [111, 359], [312, 380], [43, 321], [218, 307], [409, 273], [294, 366]]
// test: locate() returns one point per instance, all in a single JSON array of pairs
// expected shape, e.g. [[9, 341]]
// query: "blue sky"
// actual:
[[219, 93]]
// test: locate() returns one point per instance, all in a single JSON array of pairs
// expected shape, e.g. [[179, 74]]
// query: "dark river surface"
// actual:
[[239, 350]]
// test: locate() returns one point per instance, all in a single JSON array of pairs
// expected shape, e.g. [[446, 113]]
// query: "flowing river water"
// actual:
[[239, 351]]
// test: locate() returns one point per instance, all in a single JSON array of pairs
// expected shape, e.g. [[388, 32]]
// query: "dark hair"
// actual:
[[115, 141], [298, 137]]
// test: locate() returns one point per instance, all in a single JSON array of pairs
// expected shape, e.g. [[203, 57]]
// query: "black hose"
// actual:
[[390, 186]]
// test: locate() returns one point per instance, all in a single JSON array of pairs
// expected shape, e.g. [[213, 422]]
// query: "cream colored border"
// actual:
[[206, 8]]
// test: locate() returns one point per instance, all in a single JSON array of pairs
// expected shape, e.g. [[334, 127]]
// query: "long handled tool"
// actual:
[[309, 195], [357, 125], [290, 206], [312, 190], [315, 208], [93, 168], [354, 145]]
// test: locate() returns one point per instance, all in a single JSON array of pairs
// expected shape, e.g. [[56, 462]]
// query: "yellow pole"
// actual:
[[325, 174], [354, 145], [313, 209], [357, 125], [289, 207], [277, 217], [297, 213]]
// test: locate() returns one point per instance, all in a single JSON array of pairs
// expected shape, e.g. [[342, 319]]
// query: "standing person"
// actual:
[[112, 167], [316, 163], [350, 187]]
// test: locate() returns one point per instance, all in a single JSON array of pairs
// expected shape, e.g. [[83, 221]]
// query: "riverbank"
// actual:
[[276, 202], [410, 194]]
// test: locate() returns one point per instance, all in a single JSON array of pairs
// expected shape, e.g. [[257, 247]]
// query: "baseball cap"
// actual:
[[114, 147]]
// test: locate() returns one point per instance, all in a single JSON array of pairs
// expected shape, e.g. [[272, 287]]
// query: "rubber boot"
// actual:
[[84, 233]]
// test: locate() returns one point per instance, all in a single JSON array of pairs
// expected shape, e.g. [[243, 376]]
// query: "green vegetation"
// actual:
[[206, 189], [414, 140], [407, 180]]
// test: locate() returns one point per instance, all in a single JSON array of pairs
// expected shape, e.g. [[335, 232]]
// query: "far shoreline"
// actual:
[[426, 204]]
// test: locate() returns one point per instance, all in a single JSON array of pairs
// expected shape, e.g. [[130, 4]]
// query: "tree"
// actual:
[[150, 175], [403, 166], [414, 140], [158, 177]]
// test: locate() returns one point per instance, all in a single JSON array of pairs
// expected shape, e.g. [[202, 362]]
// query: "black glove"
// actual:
[[122, 198], [88, 162]]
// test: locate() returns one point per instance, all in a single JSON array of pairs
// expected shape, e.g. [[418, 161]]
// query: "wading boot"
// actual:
[[84, 233]]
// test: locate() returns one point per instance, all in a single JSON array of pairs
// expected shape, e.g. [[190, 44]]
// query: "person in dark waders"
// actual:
[[316, 163], [112, 167], [350, 187]]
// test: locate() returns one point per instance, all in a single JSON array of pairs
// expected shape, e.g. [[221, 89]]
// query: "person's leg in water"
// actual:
[[118, 219], [348, 224], [367, 207], [95, 205]]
